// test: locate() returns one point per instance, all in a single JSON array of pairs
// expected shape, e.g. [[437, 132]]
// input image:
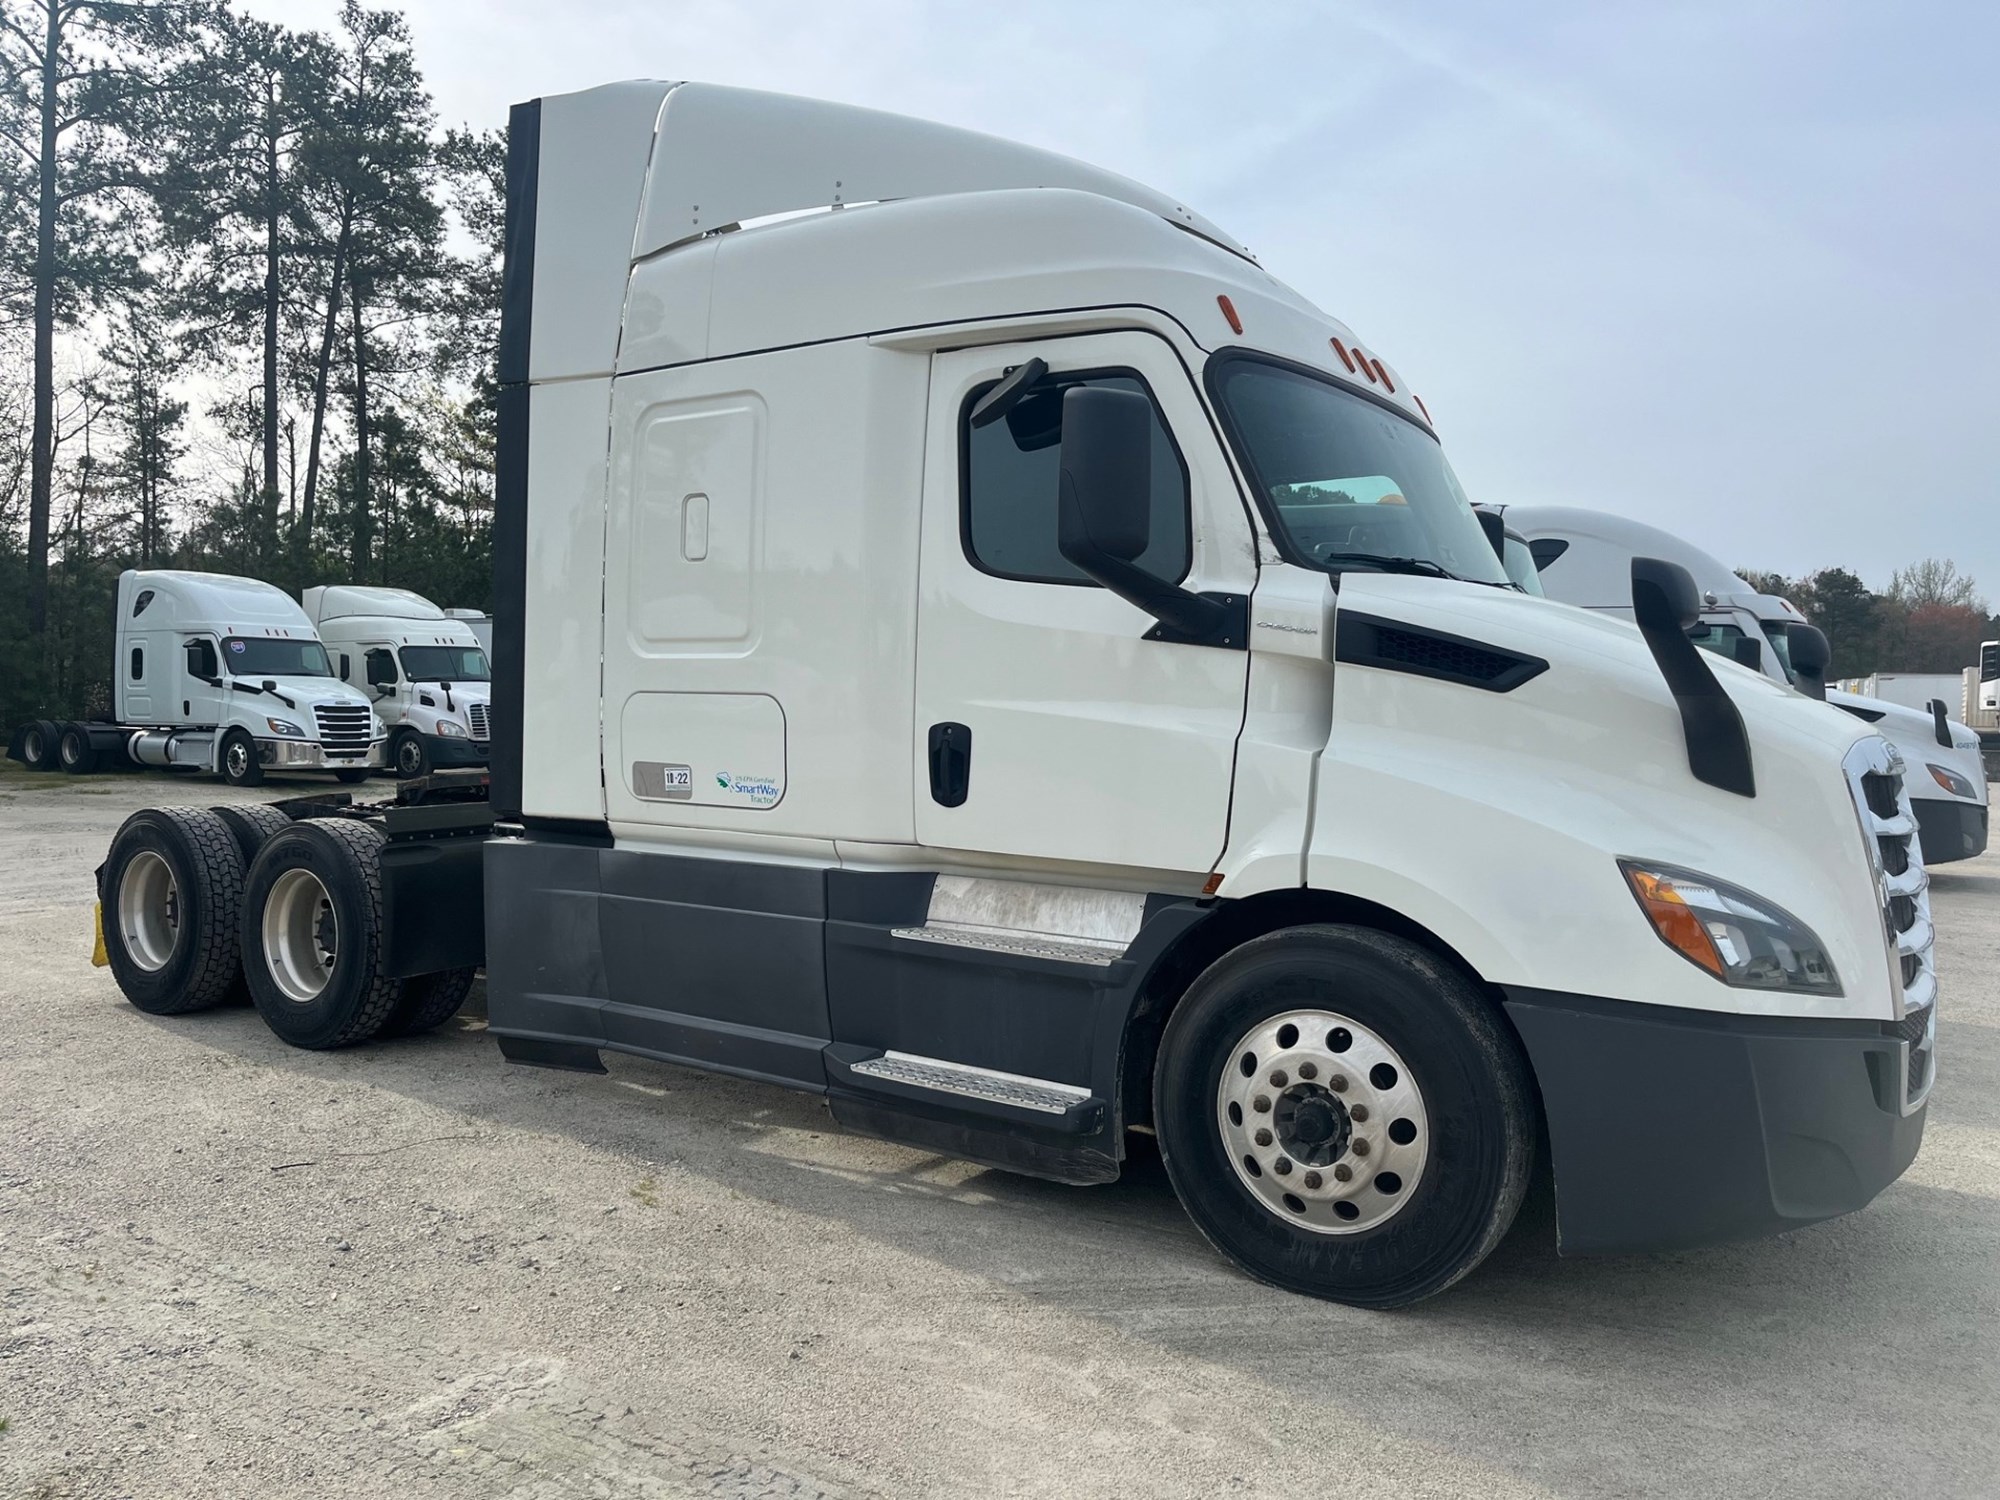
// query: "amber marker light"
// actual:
[[1229, 312], [1679, 928]]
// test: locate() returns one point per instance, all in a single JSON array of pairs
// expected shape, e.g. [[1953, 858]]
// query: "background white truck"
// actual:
[[425, 672], [215, 673], [988, 654], [1583, 554]]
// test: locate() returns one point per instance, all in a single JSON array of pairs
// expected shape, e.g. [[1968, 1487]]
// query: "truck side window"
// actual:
[[381, 667], [1009, 472], [138, 663]]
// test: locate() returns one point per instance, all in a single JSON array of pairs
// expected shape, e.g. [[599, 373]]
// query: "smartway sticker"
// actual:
[[758, 791]]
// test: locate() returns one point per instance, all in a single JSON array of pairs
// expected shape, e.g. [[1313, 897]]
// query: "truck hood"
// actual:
[[1468, 805], [307, 691]]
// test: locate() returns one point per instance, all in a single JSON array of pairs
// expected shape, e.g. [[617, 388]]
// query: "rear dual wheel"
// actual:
[[39, 746], [75, 752], [170, 892], [311, 934], [1343, 1114]]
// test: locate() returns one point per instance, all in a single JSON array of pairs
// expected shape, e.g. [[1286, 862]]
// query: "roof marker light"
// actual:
[[1345, 358], [1229, 312], [1423, 408], [1383, 375]]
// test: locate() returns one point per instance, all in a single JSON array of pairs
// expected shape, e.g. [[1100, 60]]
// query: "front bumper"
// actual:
[[1949, 830], [1671, 1129], [453, 750], [309, 755]]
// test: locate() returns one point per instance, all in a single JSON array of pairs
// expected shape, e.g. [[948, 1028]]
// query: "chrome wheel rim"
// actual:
[[1322, 1121], [149, 911], [301, 935], [236, 759]]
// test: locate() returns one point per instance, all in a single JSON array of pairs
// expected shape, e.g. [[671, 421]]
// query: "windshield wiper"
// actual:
[[1420, 565]]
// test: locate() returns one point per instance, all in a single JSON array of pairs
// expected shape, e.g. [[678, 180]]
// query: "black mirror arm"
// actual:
[[1186, 618], [1664, 605]]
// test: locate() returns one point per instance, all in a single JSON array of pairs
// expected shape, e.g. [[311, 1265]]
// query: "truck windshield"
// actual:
[[1780, 636], [1348, 483], [269, 656], [445, 664], [1520, 565]]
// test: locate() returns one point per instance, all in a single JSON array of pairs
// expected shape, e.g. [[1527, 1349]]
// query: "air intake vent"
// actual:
[[1366, 641]]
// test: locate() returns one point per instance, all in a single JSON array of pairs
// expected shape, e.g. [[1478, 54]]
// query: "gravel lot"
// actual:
[[229, 1268]]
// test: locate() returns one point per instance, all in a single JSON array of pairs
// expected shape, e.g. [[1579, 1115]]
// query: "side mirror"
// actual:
[[1810, 657], [1104, 516], [1106, 505], [1663, 596], [1748, 651], [1496, 532]]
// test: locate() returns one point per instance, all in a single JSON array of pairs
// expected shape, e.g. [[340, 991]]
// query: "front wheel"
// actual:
[[240, 766], [1343, 1114], [413, 759]]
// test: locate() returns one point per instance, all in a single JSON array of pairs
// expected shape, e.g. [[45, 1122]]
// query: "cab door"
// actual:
[[1047, 725]]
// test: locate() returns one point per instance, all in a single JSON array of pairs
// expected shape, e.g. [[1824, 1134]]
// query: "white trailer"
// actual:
[[988, 654], [425, 672], [215, 673], [1582, 555]]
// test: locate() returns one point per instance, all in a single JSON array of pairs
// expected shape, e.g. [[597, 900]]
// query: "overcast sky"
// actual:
[[1729, 267]]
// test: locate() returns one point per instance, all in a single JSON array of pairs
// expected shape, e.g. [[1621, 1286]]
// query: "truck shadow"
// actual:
[[1586, 1376]]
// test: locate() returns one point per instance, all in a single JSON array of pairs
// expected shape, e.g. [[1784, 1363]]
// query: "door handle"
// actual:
[[951, 763]]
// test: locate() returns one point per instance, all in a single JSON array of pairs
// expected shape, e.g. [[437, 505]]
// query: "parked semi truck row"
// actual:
[[990, 655], [1584, 556], [228, 675]]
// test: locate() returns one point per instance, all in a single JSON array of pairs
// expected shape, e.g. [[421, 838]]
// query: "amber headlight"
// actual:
[[1951, 781], [1739, 938]]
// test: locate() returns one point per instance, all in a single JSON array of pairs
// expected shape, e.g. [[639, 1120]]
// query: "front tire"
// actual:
[[239, 763], [352, 776], [171, 889], [412, 757], [1344, 1115]]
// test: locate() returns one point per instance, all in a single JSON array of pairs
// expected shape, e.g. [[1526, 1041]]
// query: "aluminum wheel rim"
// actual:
[[1322, 1121], [149, 911], [409, 756], [301, 935], [70, 749], [236, 759], [35, 747]]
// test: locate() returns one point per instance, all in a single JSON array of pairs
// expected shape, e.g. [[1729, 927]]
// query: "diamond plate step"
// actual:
[[1022, 945], [973, 1083]]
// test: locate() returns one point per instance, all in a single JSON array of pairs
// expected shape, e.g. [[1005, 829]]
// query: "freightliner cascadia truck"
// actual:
[[216, 673], [987, 653]]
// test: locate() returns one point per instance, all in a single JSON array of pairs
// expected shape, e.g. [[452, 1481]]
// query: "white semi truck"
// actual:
[[1582, 556], [424, 671], [215, 673], [988, 654]]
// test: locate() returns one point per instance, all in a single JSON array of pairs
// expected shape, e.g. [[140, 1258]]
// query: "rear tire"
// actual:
[[312, 933], [253, 824], [238, 761], [172, 888], [74, 750], [38, 746], [1344, 1114], [429, 1000]]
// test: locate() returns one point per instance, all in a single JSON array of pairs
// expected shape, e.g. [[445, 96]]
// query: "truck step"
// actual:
[[967, 1082], [1061, 949]]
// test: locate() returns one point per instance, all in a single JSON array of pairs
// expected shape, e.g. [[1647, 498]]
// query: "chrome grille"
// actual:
[[344, 726], [1875, 773], [475, 713]]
